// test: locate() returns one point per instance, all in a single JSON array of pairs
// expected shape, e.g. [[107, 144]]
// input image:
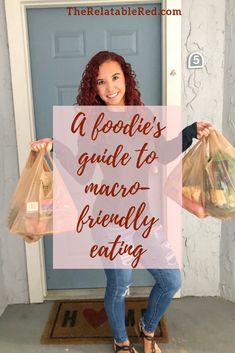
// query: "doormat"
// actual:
[[85, 321]]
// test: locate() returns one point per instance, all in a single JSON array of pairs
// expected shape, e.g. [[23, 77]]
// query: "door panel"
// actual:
[[60, 46]]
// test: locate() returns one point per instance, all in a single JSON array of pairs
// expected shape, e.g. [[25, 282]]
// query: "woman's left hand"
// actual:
[[204, 129]]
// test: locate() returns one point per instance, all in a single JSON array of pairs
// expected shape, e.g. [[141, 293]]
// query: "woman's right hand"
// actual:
[[38, 145]]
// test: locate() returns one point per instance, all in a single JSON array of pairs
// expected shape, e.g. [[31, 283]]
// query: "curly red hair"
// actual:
[[87, 94]]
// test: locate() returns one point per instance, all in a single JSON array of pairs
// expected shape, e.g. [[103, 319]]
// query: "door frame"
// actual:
[[23, 97]]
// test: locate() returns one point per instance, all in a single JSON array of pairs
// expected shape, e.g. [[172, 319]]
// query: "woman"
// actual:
[[109, 80]]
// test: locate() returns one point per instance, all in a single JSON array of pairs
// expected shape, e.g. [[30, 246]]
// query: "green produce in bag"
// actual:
[[208, 175]]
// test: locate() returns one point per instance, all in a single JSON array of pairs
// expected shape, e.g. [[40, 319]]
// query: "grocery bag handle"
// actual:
[[44, 152], [48, 154]]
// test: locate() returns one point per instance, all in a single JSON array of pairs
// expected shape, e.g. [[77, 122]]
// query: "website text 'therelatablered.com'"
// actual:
[[121, 11]]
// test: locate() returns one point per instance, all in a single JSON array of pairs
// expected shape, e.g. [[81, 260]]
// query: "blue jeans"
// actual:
[[168, 282]]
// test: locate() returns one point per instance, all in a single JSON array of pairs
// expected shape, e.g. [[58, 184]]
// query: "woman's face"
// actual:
[[111, 86]]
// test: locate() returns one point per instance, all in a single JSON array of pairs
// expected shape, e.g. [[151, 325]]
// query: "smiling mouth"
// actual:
[[112, 96]]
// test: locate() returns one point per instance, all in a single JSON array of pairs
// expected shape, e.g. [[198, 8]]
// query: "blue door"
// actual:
[[60, 47]]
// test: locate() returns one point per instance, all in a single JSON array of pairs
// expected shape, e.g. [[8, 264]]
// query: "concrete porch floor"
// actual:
[[196, 325]]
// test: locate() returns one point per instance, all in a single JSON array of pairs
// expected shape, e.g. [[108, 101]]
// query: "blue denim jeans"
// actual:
[[167, 283]]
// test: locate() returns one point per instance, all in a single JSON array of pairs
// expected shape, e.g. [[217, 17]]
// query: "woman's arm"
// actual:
[[168, 151], [196, 130], [66, 157]]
